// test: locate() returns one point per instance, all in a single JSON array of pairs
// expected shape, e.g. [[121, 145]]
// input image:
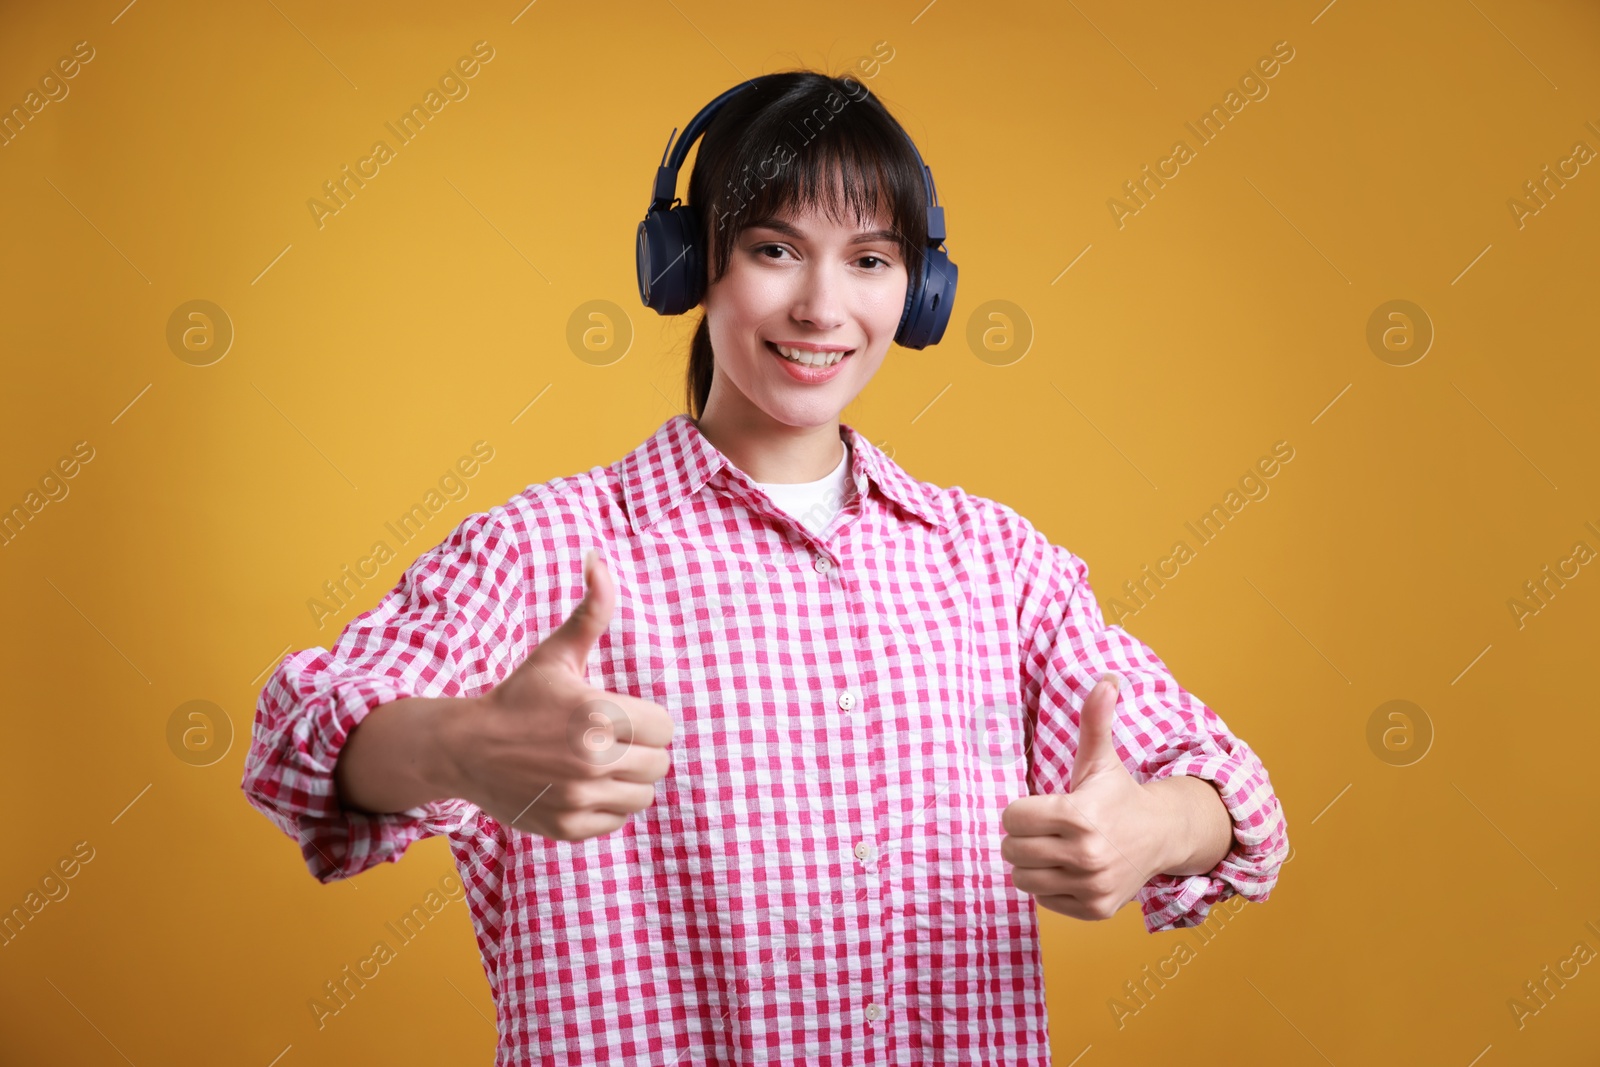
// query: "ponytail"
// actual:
[[699, 384]]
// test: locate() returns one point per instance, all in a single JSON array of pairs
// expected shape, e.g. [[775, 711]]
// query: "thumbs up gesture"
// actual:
[[1087, 852], [548, 753]]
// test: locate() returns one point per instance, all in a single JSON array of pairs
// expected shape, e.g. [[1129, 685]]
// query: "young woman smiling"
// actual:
[[734, 779]]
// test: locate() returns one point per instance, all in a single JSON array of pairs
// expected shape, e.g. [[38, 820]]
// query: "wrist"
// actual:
[[444, 744], [1174, 820], [397, 757], [1199, 828]]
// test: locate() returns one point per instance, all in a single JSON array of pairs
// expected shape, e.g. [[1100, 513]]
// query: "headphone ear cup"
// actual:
[[929, 302], [691, 269], [914, 284], [668, 260]]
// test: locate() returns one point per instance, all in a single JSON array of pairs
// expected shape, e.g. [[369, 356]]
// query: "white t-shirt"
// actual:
[[815, 504]]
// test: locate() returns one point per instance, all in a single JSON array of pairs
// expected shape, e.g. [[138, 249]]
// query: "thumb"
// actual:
[[569, 644], [1097, 745]]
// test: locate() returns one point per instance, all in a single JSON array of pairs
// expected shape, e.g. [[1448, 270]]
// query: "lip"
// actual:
[[811, 347], [811, 375]]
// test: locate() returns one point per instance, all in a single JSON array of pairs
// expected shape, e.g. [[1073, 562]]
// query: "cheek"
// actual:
[[746, 299], [867, 369], [888, 304]]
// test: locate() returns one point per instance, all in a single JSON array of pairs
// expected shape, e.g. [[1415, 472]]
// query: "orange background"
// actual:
[[1112, 403]]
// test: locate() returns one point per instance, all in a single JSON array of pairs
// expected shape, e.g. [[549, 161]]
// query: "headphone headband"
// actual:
[[670, 257]]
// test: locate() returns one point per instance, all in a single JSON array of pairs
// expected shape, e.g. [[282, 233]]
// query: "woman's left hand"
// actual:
[[1086, 853]]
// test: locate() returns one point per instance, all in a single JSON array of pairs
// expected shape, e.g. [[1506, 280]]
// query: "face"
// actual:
[[803, 281]]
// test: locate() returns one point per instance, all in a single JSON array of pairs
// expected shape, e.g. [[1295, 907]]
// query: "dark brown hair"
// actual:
[[784, 144]]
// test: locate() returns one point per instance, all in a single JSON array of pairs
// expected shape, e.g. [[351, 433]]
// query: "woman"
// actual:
[[780, 774]]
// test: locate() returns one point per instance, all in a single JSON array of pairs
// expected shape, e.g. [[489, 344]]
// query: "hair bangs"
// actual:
[[814, 143]]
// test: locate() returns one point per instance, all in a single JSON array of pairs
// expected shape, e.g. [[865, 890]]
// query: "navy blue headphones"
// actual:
[[671, 257]]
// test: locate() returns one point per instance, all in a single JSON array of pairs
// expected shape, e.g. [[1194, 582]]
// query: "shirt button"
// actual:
[[863, 851], [847, 700], [823, 564], [872, 1011]]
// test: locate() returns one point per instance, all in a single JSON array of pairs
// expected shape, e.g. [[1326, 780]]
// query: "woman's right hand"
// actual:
[[546, 752]]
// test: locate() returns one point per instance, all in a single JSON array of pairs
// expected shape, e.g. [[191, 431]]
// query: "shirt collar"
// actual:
[[677, 461]]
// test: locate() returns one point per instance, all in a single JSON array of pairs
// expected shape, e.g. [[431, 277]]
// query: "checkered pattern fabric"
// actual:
[[819, 878]]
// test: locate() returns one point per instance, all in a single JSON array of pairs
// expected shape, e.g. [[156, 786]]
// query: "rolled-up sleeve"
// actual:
[[453, 627], [1161, 729]]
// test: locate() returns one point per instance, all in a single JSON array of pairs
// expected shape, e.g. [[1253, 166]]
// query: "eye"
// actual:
[[876, 264]]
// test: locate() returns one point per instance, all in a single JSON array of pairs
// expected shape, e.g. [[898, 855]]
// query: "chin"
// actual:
[[803, 416]]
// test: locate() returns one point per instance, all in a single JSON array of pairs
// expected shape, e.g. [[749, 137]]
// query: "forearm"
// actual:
[[394, 759], [1202, 828]]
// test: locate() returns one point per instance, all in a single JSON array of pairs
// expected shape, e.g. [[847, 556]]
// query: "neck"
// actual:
[[771, 452]]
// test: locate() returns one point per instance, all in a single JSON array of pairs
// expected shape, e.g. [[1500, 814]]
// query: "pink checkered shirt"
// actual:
[[819, 878]]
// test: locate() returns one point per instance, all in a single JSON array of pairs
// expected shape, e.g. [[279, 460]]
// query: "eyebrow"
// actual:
[[789, 230]]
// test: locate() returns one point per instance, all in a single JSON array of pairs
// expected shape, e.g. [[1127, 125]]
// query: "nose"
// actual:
[[819, 298]]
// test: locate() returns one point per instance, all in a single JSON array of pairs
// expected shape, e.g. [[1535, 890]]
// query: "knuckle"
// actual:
[[569, 795], [594, 765], [597, 794], [593, 752]]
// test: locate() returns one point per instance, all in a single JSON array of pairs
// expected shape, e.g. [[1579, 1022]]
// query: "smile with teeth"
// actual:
[[808, 359]]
